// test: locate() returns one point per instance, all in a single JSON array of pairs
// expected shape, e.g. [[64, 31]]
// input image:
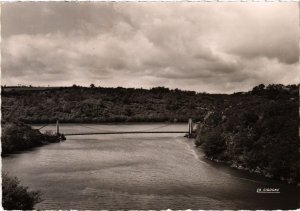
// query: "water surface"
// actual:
[[138, 171]]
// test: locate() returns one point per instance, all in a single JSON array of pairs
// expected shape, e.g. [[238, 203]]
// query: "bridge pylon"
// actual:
[[190, 127], [57, 127]]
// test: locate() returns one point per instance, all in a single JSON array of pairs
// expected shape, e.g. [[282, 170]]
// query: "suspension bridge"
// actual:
[[190, 130]]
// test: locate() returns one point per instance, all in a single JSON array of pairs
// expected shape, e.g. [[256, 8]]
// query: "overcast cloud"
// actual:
[[212, 47]]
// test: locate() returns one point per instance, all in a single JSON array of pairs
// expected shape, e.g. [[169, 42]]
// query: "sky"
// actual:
[[202, 46]]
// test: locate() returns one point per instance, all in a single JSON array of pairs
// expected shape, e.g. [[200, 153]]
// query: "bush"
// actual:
[[16, 196]]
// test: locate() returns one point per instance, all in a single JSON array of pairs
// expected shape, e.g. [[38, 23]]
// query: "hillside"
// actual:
[[96, 104], [256, 132]]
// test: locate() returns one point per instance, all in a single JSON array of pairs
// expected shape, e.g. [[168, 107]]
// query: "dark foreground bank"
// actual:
[[17, 197]]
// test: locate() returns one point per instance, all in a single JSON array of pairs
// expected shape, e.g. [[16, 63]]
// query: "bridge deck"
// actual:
[[123, 132]]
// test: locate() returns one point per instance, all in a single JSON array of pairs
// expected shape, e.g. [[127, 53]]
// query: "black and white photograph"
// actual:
[[150, 105]]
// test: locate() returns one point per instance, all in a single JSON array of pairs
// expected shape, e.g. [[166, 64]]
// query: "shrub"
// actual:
[[16, 196]]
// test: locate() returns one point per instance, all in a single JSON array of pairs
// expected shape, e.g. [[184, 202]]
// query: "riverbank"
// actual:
[[17, 136]]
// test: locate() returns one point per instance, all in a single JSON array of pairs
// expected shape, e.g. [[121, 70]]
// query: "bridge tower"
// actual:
[[190, 124], [57, 127]]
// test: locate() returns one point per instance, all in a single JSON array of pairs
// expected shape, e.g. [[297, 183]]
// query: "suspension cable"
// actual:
[[97, 129], [43, 126]]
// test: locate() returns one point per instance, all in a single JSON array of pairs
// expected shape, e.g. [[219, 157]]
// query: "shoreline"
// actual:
[[227, 167], [240, 168]]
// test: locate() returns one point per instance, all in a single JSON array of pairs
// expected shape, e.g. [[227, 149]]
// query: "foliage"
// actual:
[[257, 131], [16, 196]]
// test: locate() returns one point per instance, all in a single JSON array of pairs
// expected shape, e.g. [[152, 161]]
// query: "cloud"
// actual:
[[213, 47]]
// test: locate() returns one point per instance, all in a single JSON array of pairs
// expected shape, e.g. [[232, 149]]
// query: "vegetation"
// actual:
[[96, 104], [16, 196], [256, 131], [17, 136]]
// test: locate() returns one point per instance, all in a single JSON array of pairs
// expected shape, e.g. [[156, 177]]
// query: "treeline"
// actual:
[[17, 136], [96, 104], [257, 131]]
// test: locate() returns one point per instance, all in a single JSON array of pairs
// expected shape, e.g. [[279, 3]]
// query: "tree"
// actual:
[[258, 89], [92, 85]]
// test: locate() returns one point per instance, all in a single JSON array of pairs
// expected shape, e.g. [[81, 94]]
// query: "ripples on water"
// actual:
[[138, 171]]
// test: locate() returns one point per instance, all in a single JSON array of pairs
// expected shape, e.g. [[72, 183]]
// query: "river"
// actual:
[[138, 171]]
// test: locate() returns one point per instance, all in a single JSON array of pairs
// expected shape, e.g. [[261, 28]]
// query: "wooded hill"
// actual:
[[93, 104]]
